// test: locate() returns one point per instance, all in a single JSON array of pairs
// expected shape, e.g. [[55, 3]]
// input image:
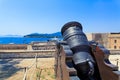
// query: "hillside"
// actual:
[[37, 35]]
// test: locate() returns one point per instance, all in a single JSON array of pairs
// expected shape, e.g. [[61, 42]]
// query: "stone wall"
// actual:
[[115, 52], [13, 46], [42, 49], [26, 54]]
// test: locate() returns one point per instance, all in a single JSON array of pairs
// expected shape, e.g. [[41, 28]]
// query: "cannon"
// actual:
[[80, 59]]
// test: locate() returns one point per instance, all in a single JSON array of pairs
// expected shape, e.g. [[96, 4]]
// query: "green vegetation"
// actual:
[[53, 76], [43, 77], [38, 73], [48, 73]]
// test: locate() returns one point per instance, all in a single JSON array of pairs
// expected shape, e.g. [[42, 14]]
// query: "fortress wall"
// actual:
[[13, 46], [42, 54], [115, 52]]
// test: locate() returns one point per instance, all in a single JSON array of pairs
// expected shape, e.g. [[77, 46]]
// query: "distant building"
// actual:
[[109, 40], [101, 38], [114, 41], [89, 36]]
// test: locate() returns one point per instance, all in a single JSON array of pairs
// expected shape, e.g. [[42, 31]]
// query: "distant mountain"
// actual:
[[11, 36], [38, 35]]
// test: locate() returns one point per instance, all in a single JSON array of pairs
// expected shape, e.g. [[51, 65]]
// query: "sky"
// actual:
[[21, 17]]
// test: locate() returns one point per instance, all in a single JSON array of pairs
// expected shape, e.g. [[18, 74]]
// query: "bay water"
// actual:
[[21, 40]]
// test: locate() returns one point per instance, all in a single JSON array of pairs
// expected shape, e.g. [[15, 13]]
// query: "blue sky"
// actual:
[[21, 17]]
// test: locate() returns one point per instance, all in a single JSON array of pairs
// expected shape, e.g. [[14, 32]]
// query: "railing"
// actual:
[[27, 68]]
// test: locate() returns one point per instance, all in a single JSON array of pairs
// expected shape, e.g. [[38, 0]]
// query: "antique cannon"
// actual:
[[80, 59]]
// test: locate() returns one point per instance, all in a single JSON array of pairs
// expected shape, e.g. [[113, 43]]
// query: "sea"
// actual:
[[22, 40]]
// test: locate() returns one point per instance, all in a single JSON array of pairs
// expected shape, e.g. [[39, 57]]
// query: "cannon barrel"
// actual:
[[72, 33]]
